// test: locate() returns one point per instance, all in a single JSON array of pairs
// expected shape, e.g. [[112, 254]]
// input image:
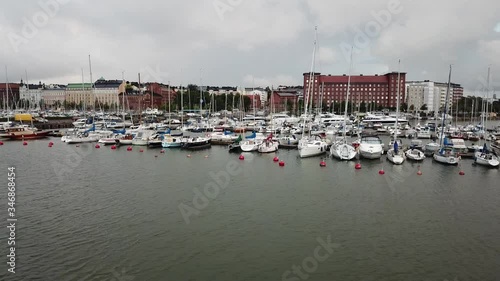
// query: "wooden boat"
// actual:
[[23, 133]]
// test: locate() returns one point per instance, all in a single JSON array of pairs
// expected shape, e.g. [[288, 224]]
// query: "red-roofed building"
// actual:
[[285, 100], [380, 89]]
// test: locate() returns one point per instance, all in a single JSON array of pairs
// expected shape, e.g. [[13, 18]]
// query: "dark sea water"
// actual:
[[101, 214]]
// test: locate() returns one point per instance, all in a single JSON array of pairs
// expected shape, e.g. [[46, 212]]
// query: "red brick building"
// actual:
[[255, 102], [162, 90], [380, 89], [13, 92], [284, 100]]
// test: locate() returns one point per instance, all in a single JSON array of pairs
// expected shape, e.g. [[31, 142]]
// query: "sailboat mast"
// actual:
[[441, 138], [311, 77], [92, 85], [397, 102], [485, 127], [169, 104], [348, 93]]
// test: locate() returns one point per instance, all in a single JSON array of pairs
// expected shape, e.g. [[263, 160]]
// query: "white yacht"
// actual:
[[371, 147]]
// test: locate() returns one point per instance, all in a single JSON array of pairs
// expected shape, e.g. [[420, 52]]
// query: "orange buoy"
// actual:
[[25, 143], [357, 166], [129, 148], [282, 164], [242, 157], [322, 164], [276, 159], [113, 147]]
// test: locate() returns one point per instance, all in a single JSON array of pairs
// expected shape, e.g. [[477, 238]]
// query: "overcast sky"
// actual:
[[248, 42]]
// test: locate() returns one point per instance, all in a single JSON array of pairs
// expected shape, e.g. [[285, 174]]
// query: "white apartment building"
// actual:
[[31, 93], [431, 94]]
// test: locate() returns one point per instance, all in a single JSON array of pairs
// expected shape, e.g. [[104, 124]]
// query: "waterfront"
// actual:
[[114, 215]]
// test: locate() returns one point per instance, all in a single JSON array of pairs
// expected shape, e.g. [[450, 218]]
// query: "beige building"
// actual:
[[79, 94]]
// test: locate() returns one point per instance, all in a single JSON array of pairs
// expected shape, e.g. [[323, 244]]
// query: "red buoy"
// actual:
[[162, 151], [282, 164], [51, 143], [1, 142], [462, 173], [129, 148], [242, 157], [113, 147], [276, 159], [25, 143], [358, 166], [381, 172], [97, 146], [141, 150], [322, 164], [419, 171]]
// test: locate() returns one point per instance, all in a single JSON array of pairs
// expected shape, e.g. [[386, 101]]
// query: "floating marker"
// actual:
[[242, 157], [322, 164], [189, 156], [1, 142], [51, 143], [113, 147], [419, 171], [358, 166], [282, 164], [141, 150], [381, 172], [276, 159], [97, 146], [25, 143], [162, 151], [129, 148]]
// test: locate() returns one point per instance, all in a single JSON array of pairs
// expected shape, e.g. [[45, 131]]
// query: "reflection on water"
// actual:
[[115, 214]]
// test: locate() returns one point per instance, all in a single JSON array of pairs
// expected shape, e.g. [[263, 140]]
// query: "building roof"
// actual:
[[79, 86], [286, 94]]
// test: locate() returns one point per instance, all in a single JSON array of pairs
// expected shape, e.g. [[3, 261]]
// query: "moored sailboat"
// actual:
[[446, 155]]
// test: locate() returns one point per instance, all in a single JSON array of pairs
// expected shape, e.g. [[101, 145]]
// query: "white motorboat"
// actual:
[[431, 147], [171, 141], [424, 134], [142, 137], [110, 141], [309, 147], [371, 147], [415, 154]]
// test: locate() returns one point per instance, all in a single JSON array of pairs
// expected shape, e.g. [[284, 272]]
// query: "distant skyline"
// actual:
[[248, 43]]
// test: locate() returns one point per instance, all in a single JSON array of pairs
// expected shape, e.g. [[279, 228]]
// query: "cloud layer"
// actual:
[[248, 43]]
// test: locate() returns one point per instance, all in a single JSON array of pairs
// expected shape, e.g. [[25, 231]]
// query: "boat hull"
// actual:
[[28, 136]]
